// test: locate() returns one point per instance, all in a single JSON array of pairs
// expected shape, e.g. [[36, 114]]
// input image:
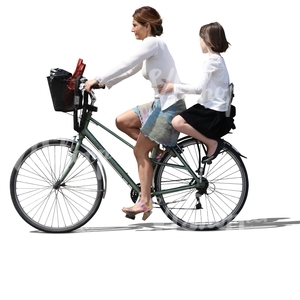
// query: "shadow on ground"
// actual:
[[265, 223]]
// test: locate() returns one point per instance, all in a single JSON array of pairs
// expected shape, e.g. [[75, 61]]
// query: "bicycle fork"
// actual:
[[74, 151]]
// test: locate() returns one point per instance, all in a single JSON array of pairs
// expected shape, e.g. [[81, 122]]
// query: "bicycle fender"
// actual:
[[227, 144], [232, 147]]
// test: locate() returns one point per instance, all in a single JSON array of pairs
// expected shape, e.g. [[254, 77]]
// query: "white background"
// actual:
[[113, 257]]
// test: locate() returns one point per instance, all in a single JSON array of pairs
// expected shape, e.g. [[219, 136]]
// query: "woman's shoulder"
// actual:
[[154, 43], [153, 40]]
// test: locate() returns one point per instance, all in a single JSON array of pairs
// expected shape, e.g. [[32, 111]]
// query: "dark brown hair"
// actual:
[[214, 37], [147, 14]]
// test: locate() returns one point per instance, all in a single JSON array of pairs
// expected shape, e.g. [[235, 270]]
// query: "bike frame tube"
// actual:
[[86, 133], [114, 164], [110, 131], [122, 172]]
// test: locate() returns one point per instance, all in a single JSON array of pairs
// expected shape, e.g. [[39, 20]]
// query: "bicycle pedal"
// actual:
[[129, 216], [206, 161], [199, 206]]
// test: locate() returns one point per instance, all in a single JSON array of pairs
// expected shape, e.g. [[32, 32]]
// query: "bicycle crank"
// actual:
[[134, 195]]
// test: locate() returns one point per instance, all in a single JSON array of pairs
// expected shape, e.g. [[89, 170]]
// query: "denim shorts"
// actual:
[[157, 124]]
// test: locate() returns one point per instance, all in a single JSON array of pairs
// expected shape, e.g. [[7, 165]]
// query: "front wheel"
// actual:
[[212, 205], [52, 208]]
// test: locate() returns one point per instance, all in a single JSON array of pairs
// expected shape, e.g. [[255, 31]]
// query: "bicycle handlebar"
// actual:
[[96, 86], [82, 101]]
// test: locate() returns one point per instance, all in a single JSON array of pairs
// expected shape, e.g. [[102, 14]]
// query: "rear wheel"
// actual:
[[53, 208], [220, 198]]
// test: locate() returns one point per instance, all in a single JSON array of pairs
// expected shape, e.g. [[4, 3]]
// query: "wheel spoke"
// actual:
[[222, 197], [49, 209]]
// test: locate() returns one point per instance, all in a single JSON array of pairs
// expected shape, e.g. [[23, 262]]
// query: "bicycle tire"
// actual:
[[51, 209], [225, 193]]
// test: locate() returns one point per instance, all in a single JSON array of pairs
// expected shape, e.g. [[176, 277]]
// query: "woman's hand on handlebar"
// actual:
[[93, 84]]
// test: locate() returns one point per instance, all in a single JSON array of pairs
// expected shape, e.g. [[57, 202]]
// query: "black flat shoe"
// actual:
[[208, 159]]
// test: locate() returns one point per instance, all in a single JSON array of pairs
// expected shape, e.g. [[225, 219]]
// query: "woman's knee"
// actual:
[[128, 120], [119, 122], [122, 121], [177, 122]]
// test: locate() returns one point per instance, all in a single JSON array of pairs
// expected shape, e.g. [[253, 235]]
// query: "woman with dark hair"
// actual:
[[207, 120], [149, 124]]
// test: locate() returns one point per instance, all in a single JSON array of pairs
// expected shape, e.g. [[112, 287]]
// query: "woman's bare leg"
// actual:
[[182, 126], [129, 123], [145, 169]]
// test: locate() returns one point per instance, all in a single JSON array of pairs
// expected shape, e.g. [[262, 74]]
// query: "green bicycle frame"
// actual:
[[86, 133]]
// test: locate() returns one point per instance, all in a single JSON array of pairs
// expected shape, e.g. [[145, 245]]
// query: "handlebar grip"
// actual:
[[96, 86]]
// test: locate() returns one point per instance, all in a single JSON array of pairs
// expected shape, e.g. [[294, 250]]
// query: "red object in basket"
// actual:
[[78, 72]]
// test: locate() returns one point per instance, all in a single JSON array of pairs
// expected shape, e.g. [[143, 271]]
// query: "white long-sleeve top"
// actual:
[[154, 59], [213, 85]]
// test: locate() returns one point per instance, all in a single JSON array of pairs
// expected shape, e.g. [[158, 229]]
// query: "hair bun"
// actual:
[[159, 29]]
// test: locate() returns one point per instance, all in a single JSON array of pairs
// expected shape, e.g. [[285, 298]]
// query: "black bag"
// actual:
[[62, 95], [62, 85], [230, 117]]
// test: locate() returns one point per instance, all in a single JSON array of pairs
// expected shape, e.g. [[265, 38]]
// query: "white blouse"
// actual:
[[155, 61], [213, 85]]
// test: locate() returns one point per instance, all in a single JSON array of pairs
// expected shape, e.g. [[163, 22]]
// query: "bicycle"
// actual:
[[58, 185]]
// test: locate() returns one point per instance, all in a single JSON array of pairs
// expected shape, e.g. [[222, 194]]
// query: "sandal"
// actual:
[[145, 209], [159, 154]]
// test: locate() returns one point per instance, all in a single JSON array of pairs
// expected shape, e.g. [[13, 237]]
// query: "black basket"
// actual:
[[61, 93]]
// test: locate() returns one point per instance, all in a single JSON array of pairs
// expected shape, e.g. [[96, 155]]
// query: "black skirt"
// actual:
[[213, 124]]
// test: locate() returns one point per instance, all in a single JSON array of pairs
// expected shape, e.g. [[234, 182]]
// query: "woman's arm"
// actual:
[[184, 88], [123, 76], [147, 48]]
